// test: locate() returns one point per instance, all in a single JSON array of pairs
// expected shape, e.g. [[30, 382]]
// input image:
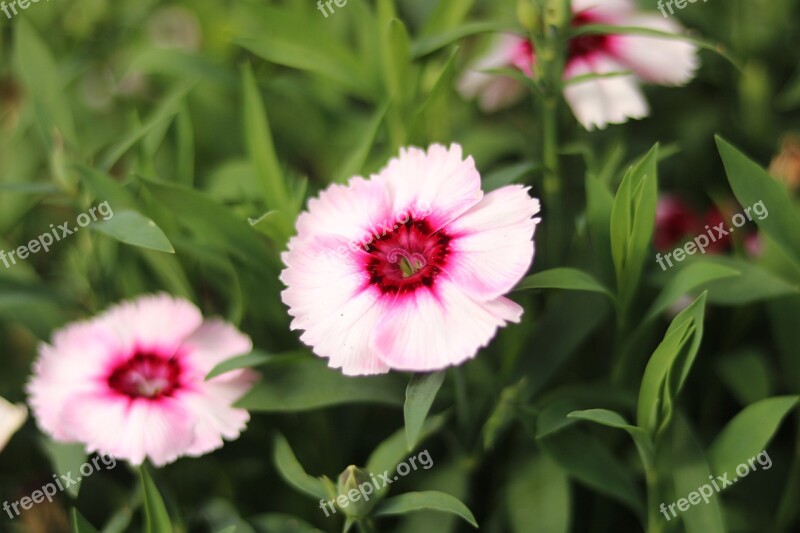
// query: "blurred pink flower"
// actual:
[[675, 223], [603, 100], [407, 270], [11, 419], [131, 382]]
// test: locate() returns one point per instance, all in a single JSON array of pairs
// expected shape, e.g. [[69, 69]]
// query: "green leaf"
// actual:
[[250, 360], [169, 106], [302, 42], [428, 45], [753, 284], [589, 461], [184, 171], [39, 69], [155, 512], [136, 229], [293, 473], [632, 220], [693, 276], [510, 174], [425, 501], [354, 164], [749, 432], [669, 366], [213, 222], [230, 529], [303, 384], [260, 146], [690, 471], [392, 451], [612, 419], [397, 61], [538, 497], [504, 412], [563, 278], [599, 204], [281, 523], [66, 459], [80, 524], [783, 315], [752, 185], [747, 375], [446, 15], [420, 393]]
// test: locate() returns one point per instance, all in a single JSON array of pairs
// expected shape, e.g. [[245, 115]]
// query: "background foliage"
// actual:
[[217, 119]]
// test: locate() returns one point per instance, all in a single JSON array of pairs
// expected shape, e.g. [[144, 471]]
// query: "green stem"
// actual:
[[552, 182], [655, 521]]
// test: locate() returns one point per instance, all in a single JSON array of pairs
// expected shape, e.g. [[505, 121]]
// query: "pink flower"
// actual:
[[599, 101], [407, 270], [131, 382], [675, 223], [11, 419]]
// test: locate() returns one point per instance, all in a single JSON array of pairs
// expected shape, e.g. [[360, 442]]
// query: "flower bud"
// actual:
[[355, 492]]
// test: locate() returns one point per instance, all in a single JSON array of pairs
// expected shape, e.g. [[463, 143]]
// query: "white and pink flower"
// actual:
[[11, 419], [599, 101], [130, 383], [424, 295]]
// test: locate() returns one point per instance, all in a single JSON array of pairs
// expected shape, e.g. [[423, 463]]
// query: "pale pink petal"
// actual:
[[346, 210], [434, 329], [11, 419], [492, 245], [603, 8], [438, 181], [71, 365], [494, 92], [212, 409], [152, 321], [214, 342], [326, 296], [601, 101], [132, 430], [654, 59]]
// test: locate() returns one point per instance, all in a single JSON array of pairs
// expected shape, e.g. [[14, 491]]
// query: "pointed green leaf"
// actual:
[[293, 472], [425, 501], [420, 393], [752, 186], [563, 278], [156, 516], [749, 432], [80, 524], [136, 229]]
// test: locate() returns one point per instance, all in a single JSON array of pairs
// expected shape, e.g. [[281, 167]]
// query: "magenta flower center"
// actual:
[[146, 375], [586, 45], [409, 257]]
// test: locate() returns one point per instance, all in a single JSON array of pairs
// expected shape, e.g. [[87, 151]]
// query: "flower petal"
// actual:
[[439, 182], [151, 321], [656, 60], [134, 430], [326, 294], [433, 330], [494, 92], [601, 101], [492, 246], [11, 419], [213, 342]]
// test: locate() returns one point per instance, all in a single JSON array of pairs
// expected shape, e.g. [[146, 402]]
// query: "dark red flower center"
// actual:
[[146, 375], [409, 257], [585, 45]]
